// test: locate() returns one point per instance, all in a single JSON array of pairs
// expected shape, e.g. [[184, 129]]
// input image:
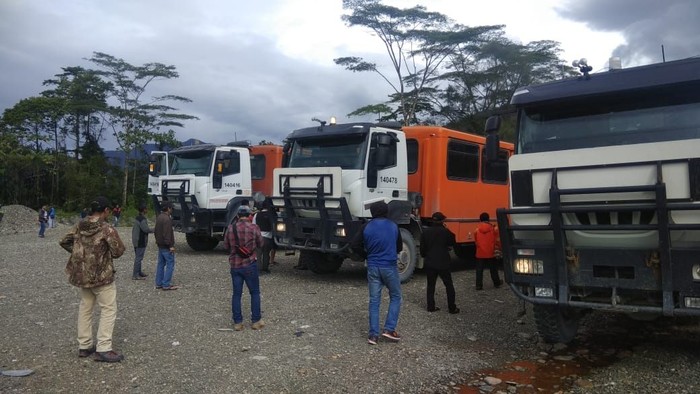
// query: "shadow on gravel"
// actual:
[[606, 339]]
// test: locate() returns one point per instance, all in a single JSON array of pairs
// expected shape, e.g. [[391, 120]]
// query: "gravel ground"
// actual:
[[315, 338]]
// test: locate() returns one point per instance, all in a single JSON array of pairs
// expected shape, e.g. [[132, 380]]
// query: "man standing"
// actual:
[[93, 243], [380, 241], [43, 218], [487, 242], [435, 243], [242, 240], [165, 239], [265, 219], [116, 213], [139, 236]]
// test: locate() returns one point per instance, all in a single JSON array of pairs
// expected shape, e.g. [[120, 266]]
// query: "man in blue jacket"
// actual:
[[380, 241]]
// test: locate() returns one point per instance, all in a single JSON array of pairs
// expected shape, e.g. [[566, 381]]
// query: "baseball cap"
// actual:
[[244, 210]]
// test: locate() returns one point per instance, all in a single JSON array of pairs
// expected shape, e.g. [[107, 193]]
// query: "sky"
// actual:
[[256, 70]]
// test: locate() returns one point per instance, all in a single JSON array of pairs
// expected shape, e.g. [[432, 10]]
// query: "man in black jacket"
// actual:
[[139, 237], [435, 242]]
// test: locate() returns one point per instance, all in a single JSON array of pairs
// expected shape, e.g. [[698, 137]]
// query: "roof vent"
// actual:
[[614, 63]]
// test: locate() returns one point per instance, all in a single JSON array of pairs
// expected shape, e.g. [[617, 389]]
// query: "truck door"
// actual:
[[386, 168], [158, 165], [230, 177]]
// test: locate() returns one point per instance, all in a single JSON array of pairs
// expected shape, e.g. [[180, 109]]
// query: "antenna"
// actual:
[[663, 54]]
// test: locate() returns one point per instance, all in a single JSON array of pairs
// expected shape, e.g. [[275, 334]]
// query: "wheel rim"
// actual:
[[404, 258]]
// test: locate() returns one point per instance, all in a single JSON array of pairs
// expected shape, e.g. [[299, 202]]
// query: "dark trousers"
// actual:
[[446, 276], [264, 256], [492, 265]]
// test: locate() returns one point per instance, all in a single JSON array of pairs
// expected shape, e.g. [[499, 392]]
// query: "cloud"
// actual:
[[646, 25]]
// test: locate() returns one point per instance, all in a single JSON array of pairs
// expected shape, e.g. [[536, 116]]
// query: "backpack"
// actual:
[[239, 249]]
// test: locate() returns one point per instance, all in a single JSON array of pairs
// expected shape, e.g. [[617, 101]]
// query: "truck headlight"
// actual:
[[528, 266], [547, 292], [281, 227], [340, 230]]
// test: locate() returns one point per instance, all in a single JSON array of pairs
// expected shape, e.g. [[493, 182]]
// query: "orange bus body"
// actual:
[[461, 200], [267, 158]]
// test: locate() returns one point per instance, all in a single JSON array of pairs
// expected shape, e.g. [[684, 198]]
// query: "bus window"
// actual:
[[462, 161], [412, 152], [495, 171], [257, 167]]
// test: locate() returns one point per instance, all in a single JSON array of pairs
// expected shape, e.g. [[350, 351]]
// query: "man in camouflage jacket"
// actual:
[[93, 243]]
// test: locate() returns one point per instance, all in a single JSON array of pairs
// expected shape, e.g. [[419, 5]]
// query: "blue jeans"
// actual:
[[249, 275], [377, 278], [42, 228], [165, 268], [138, 259]]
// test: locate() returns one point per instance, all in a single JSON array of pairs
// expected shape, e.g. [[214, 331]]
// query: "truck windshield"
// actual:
[[619, 120], [196, 163], [346, 152]]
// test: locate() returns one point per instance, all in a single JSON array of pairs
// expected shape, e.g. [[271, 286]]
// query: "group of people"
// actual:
[[379, 241], [93, 244]]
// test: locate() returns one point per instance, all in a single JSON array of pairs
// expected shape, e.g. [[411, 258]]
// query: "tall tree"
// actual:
[[483, 76], [84, 94], [135, 119], [416, 41]]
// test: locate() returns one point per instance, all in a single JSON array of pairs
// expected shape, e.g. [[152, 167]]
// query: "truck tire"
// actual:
[[407, 256], [201, 243], [556, 324], [321, 263]]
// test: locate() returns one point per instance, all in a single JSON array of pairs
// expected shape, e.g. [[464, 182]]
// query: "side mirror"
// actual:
[[153, 165], [493, 124]]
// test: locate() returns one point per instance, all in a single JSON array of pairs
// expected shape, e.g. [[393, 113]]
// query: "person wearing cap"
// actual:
[[379, 241], [435, 244], [93, 244], [242, 239], [139, 237], [165, 239], [487, 242]]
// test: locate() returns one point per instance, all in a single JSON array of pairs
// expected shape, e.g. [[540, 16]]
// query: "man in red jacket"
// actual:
[[487, 242]]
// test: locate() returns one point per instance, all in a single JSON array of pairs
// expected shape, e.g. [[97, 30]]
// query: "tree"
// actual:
[[417, 42], [135, 120], [483, 76]]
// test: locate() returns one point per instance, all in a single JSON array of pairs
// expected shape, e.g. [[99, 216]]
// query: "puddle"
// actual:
[[558, 368]]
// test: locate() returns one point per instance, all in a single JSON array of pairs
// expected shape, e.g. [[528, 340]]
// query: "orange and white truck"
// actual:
[[207, 183], [334, 172]]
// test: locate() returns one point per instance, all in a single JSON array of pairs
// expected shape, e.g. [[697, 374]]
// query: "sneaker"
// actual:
[[372, 339], [82, 353], [258, 325], [143, 275], [173, 287], [391, 335], [159, 287], [433, 309], [238, 326], [454, 311], [108, 357], [138, 278]]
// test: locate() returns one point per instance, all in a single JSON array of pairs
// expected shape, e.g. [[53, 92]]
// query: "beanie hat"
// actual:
[[379, 209]]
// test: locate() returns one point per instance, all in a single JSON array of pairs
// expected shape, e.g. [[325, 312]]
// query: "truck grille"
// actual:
[[614, 217]]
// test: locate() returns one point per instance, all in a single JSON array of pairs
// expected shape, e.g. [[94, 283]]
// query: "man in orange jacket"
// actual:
[[487, 242]]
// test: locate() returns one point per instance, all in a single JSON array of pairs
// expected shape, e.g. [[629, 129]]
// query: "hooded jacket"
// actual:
[[435, 243], [486, 239], [92, 244]]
